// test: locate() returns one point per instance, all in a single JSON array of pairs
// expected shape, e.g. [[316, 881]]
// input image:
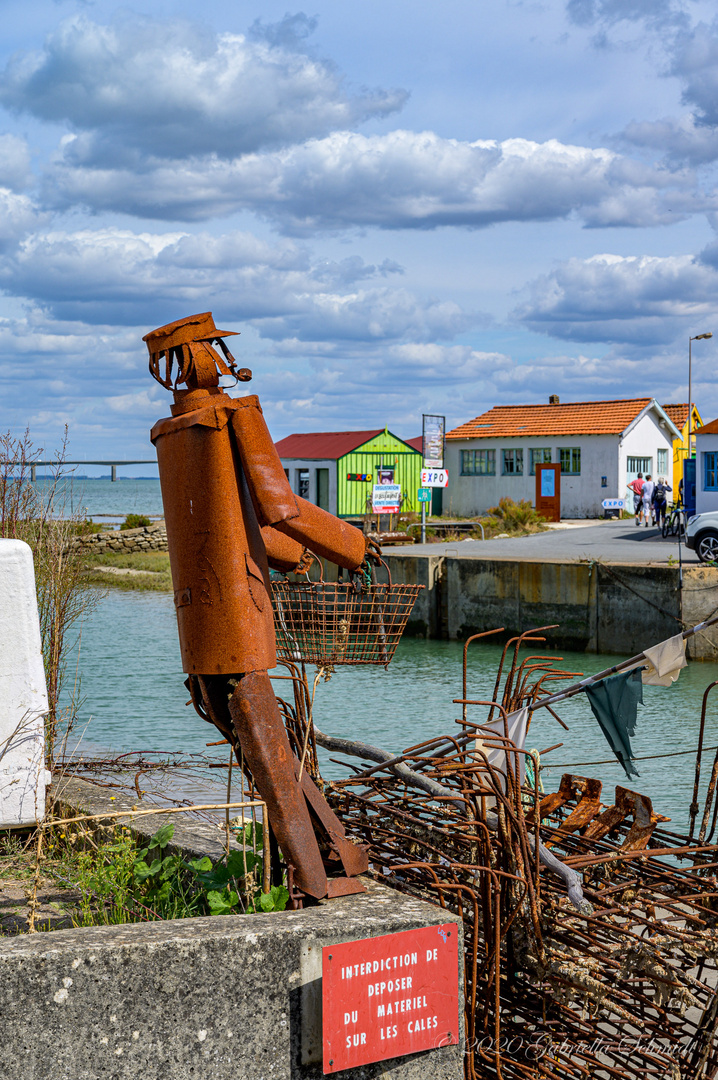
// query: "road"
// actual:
[[612, 541]]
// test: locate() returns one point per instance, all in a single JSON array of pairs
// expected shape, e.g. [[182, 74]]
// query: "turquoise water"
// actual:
[[134, 699], [102, 500]]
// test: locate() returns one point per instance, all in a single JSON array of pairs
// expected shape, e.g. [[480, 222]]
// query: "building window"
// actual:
[[636, 465], [710, 471], [512, 462], [303, 483], [570, 457], [539, 456], [478, 462], [662, 462]]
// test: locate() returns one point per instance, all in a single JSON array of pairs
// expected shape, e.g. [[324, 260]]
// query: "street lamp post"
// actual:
[[698, 337]]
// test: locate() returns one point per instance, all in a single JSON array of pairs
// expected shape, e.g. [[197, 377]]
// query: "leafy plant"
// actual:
[[121, 884], [135, 521]]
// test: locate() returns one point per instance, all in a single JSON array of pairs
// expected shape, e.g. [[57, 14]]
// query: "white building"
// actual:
[[707, 468], [600, 445]]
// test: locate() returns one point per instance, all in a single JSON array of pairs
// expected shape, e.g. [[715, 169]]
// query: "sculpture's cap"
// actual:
[[182, 331], [189, 344]]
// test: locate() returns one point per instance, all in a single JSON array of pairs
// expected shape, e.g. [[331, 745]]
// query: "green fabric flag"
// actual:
[[614, 702]]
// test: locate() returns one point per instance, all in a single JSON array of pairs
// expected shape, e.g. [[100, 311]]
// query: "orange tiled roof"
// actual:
[[528, 421], [677, 413], [708, 429]]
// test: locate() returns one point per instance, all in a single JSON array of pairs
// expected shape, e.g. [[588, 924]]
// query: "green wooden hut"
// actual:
[[337, 469]]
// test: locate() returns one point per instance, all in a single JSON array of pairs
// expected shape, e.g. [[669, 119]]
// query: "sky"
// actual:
[[402, 207]]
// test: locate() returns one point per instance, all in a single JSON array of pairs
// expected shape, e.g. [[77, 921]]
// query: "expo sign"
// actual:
[[435, 478], [388, 996]]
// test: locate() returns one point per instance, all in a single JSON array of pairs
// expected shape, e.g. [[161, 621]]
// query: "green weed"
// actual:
[[120, 884]]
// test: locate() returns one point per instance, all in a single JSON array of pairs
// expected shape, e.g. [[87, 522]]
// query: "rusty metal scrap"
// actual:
[[617, 983]]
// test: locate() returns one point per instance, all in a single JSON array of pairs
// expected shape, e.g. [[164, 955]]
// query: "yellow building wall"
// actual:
[[680, 452]]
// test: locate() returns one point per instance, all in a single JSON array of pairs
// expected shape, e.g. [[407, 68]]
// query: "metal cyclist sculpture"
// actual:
[[230, 515]]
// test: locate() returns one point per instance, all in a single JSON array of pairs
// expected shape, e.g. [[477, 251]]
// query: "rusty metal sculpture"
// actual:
[[230, 515]]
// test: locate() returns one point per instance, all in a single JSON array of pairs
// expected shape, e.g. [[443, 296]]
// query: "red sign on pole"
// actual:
[[387, 996]]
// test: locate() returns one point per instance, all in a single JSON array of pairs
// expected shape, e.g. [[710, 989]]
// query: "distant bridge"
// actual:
[[114, 465]]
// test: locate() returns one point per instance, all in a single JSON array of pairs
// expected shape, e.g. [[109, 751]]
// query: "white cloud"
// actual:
[[693, 60], [639, 300], [14, 163], [18, 217], [660, 15], [172, 89], [120, 277], [402, 180], [679, 139], [695, 63]]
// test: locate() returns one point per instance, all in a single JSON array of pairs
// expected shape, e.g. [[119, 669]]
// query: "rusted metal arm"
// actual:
[[283, 553], [325, 535], [276, 504]]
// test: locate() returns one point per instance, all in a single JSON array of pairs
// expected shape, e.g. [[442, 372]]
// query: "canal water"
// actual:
[[102, 500], [133, 698]]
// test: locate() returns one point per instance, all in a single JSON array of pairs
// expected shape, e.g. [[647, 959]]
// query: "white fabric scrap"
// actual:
[[665, 661], [517, 723]]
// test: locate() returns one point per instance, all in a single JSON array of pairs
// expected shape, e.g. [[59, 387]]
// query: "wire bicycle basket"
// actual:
[[331, 623]]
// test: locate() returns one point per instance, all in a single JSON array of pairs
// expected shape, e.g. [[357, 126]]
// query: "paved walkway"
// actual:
[[611, 541]]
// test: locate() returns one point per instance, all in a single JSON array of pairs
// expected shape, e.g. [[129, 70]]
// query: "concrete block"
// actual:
[[700, 602], [427, 570], [226, 998], [23, 693]]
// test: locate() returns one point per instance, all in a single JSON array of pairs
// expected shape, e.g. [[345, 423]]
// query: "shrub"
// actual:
[[43, 515], [515, 517], [135, 521]]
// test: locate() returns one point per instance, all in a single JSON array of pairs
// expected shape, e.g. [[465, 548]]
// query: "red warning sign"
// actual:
[[388, 996]]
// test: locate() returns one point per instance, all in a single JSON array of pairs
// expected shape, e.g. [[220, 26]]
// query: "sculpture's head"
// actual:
[[190, 342]]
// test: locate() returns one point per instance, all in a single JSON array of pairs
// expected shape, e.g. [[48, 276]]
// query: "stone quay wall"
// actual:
[[599, 607], [146, 538]]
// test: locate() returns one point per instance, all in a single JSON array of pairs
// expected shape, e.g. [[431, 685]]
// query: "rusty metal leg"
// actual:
[[260, 729]]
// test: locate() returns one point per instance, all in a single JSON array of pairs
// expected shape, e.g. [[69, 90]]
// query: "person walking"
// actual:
[[660, 496], [636, 487], [648, 489]]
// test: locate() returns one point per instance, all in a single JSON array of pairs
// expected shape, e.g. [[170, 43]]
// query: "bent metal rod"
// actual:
[[570, 691]]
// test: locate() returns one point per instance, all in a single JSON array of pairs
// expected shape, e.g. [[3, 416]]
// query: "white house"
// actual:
[[707, 468], [600, 445]]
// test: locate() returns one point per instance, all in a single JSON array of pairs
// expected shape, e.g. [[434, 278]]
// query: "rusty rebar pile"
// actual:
[[551, 989]]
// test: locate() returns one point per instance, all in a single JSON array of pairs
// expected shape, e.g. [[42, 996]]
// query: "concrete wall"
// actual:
[[23, 693], [295, 465], [599, 608], [230, 997], [700, 602], [427, 618]]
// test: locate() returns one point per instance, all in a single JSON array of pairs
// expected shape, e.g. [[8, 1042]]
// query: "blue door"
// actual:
[[689, 486]]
